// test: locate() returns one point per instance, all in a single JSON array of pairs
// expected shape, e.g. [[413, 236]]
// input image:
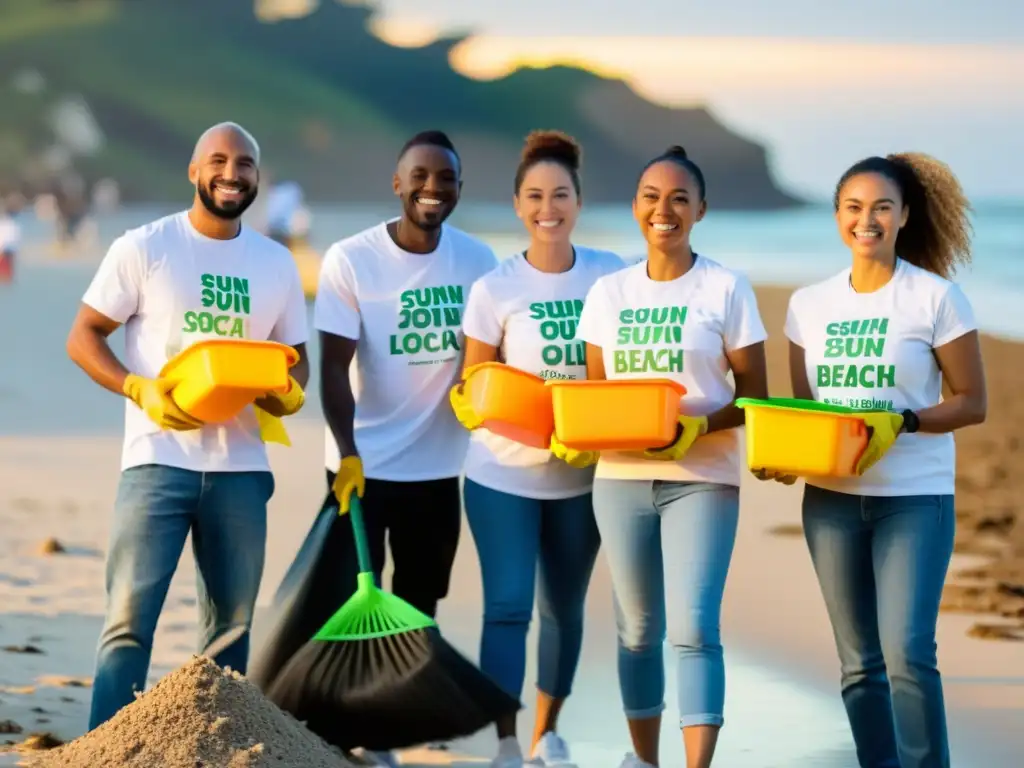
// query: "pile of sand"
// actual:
[[199, 716]]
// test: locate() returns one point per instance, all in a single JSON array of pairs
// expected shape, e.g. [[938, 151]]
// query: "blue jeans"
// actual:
[[881, 562], [156, 508], [668, 546], [518, 539]]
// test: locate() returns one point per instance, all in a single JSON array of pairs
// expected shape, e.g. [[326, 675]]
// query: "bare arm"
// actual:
[[478, 352], [964, 374], [595, 363], [798, 373], [300, 371], [339, 405], [750, 371], [88, 348]]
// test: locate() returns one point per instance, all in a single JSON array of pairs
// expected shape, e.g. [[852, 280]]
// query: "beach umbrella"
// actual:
[[379, 675]]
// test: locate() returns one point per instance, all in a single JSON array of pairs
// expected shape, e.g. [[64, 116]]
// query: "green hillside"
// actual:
[[329, 102]]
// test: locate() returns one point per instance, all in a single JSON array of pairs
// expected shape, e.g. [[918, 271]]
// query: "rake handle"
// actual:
[[355, 511]]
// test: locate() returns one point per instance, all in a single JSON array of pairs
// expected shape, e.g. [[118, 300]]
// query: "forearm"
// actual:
[[300, 372], [339, 408], [955, 412], [728, 417], [91, 352]]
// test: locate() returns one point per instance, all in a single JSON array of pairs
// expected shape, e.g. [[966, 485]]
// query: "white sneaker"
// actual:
[[552, 750], [510, 755], [632, 761]]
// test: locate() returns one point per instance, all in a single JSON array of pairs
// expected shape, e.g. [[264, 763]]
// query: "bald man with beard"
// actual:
[[194, 275]]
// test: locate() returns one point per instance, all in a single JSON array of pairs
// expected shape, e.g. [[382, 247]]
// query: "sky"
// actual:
[[821, 84]]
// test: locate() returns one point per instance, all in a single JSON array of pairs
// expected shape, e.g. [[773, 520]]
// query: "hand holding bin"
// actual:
[[218, 378], [617, 415], [511, 403], [786, 436]]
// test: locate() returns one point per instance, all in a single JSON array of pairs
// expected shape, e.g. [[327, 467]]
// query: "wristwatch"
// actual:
[[910, 421]]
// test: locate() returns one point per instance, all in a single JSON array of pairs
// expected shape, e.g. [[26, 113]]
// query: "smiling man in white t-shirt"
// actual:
[[389, 311], [193, 275]]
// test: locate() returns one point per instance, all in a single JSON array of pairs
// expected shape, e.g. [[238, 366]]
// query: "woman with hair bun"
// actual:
[[529, 509], [884, 336], [668, 515]]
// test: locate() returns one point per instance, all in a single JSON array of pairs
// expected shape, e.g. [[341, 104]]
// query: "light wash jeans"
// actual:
[[518, 540], [668, 546], [881, 562], [156, 508]]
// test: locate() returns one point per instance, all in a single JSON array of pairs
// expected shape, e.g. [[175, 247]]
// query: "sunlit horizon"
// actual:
[[817, 101]]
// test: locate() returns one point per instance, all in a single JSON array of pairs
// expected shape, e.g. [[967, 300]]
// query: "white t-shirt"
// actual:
[[680, 330], [531, 316], [171, 286], [405, 311], [10, 235], [862, 352], [283, 202]]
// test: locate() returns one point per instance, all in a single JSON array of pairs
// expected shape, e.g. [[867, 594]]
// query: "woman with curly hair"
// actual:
[[884, 336]]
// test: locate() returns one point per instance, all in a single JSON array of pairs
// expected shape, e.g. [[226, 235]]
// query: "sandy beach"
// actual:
[[783, 709]]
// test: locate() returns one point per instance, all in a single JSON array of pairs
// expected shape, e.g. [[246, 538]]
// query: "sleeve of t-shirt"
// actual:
[[291, 327], [591, 325], [792, 326], [480, 319], [117, 285], [336, 308], [743, 325], [954, 318]]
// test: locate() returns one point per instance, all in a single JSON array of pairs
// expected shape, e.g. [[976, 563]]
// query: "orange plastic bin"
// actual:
[[617, 415], [512, 403], [218, 378]]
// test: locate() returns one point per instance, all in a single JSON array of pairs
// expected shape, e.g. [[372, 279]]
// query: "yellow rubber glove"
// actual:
[[153, 396], [272, 406], [464, 411], [690, 428], [283, 403], [779, 477], [572, 457], [883, 429], [350, 478]]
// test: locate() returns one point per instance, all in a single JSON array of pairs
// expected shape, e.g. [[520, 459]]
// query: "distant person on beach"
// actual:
[[885, 335], [668, 515], [10, 240], [194, 275], [530, 507], [390, 300], [287, 216]]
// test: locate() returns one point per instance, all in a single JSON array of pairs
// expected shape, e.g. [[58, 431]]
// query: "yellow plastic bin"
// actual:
[[803, 437], [616, 415], [512, 403], [218, 378]]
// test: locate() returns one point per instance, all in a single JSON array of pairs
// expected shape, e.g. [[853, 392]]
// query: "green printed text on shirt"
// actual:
[[428, 322], [558, 321], [857, 346], [654, 328], [225, 302]]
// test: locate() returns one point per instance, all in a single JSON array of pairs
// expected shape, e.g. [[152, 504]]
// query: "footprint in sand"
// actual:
[[24, 649], [996, 632], [63, 681]]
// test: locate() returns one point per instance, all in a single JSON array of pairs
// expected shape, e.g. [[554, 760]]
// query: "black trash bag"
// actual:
[[322, 577]]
